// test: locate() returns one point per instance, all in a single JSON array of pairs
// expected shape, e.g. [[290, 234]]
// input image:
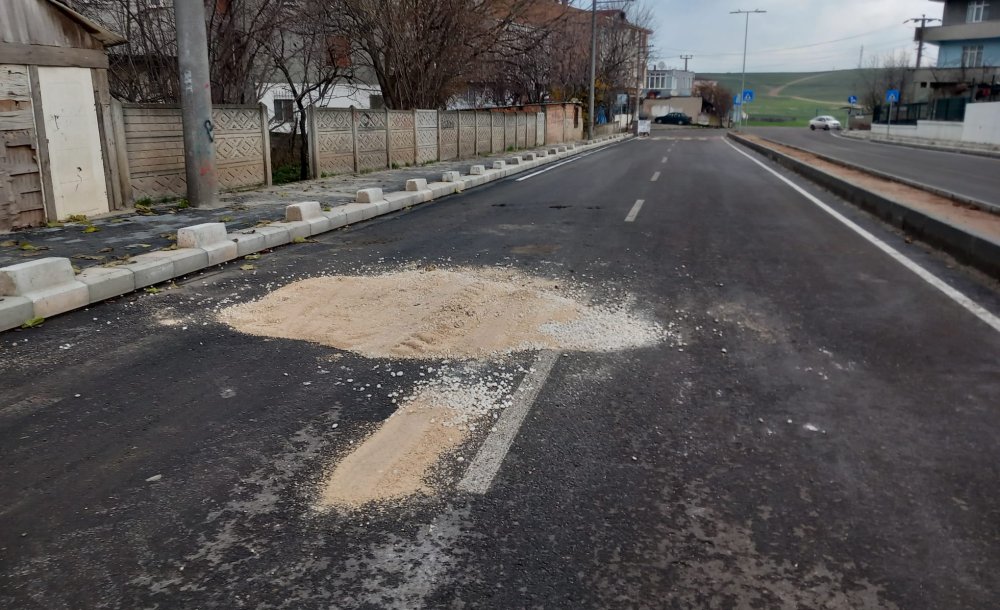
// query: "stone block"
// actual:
[[514, 161], [295, 229], [32, 276], [477, 170], [553, 151], [15, 311], [185, 260], [304, 211], [107, 282], [442, 189], [529, 156], [542, 154], [149, 270], [274, 235], [414, 185], [563, 149], [337, 217], [55, 300], [248, 243], [370, 195], [355, 212], [201, 235], [499, 165], [451, 177], [221, 252]]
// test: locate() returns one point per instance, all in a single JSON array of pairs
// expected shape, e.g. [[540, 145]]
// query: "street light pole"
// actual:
[[746, 36], [593, 67]]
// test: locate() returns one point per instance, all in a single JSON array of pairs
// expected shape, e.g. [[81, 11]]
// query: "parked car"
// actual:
[[825, 123], [674, 118]]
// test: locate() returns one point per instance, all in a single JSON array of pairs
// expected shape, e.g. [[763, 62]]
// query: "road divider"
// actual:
[[968, 245], [47, 287]]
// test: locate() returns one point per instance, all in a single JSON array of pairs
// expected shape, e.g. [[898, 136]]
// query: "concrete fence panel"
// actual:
[[402, 137], [449, 135], [540, 129], [372, 139], [510, 129], [427, 135], [521, 130], [496, 120], [466, 135], [154, 146], [484, 132], [334, 141]]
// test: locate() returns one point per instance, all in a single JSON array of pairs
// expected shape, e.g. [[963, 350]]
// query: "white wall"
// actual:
[[982, 123], [939, 130], [342, 96]]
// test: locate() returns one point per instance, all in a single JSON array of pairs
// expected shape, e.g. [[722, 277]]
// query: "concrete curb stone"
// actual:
[[105, 283], [15, 311]]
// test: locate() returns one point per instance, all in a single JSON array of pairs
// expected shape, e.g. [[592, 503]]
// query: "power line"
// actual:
[[796, 48]]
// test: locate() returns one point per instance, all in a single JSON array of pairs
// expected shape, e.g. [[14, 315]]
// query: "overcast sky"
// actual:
[[837, 28]]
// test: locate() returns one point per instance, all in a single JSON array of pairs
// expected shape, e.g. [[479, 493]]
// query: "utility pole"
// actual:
[[593, 67], [196, 104], [923, 20], [686, 58], [638, 77], [746, 36], [861, 58]]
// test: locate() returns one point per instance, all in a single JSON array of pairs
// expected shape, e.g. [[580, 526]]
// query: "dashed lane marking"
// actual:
[[634, 212], [975, 308], [484, 468], [655, 177]]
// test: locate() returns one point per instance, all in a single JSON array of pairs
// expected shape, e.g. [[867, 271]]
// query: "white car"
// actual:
[[824, 122]]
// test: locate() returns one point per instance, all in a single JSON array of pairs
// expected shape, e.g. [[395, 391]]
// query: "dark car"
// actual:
[[674, 118]]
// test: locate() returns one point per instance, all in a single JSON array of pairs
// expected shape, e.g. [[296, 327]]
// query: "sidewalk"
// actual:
[[46, 272], [964, 148], [131, 234]]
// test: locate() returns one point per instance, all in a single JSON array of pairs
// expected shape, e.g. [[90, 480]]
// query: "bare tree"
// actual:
[[883, 73], [310, 54], [717, 100]]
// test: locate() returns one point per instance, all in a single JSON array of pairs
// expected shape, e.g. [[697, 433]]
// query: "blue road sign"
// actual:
[[892, 96], [748, 95], [852, 100]]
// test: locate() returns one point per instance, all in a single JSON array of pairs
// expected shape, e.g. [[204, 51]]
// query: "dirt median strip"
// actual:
[[975, 221]]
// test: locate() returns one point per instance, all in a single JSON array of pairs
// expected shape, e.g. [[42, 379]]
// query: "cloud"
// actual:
[[794, 35]]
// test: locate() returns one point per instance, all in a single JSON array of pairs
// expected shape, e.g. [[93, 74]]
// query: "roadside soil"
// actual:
[[975, 221]]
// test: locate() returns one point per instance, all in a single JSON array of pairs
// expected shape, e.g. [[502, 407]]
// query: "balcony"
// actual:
[[963, 31]]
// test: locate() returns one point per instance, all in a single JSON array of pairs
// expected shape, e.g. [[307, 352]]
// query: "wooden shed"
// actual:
[[57, 156]]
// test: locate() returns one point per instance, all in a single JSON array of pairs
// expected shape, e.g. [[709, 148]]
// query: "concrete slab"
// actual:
[[442, 189], [499, 164], [107, 282], [151, 270], [15, 311], [306, 210], [477, 170], [185, 260], [296, 229], [221, 252], [451, 177], [201, 235], [370, 195], [248, 243], [318, 225], [416, 184], [337, 218], [355, 212], [32, 276], [55, 300]]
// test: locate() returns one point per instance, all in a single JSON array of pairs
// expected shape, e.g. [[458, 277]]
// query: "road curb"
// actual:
[[983, 206], [46, 287], [975, 250]]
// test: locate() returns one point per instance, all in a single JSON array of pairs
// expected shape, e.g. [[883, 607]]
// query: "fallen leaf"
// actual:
[[91, 229], [247, 267], [8, 244], [153, 290], [105, 250], [251, 257], [32, 323]]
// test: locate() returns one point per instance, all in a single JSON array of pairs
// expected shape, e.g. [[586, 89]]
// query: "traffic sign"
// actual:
[[737, 101], [748, 95], [852, 100], [892, 96]]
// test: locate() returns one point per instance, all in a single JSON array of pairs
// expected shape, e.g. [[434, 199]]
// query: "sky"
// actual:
[[834, 31]]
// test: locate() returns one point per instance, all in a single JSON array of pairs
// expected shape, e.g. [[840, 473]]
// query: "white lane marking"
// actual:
[[485, 466], [975, 308], [655, 177], [635, 211], [664, 160]]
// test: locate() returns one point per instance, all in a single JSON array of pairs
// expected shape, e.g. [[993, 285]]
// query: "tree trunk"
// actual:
[[303, 144]]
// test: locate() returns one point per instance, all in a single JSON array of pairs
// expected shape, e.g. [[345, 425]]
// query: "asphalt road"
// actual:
[[827, 436], [968, 175]]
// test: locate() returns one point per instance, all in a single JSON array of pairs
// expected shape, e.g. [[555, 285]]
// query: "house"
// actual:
[[57, 150], [668, 82], [968, 61]]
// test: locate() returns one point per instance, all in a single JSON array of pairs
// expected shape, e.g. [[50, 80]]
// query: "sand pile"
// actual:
[[439, 314]]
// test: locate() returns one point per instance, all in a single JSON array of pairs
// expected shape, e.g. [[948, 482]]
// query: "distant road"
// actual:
[[976, 177]]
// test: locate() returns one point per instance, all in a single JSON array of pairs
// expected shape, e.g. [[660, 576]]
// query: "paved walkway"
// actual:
[[132, 234]]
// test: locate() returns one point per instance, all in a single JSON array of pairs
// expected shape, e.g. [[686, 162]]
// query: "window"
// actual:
[[978, 11], [972, 56], [284, 111]]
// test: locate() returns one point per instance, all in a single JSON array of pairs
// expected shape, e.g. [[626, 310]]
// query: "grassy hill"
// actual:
[[792, 98]]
